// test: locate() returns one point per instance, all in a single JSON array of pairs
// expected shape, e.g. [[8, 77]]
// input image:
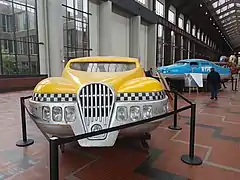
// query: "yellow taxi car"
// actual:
[[95, 93]]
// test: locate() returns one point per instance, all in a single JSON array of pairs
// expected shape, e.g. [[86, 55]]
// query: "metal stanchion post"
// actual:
[[236, 84], [191, 158], [25, 141], [54, 165], [175, 125]]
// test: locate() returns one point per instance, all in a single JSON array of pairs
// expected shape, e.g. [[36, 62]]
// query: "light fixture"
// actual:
[[206, 13], [210, 19], [214, 24], [200, 5]]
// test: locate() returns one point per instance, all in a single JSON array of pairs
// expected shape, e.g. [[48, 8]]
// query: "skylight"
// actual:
[[227, 14]]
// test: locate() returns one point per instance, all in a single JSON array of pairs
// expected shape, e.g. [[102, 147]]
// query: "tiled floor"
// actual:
[[217, 143]]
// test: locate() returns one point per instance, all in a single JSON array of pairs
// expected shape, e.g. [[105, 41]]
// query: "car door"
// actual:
[[195, 67]]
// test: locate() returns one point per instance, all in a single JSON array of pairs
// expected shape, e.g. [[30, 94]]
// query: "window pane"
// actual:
[[159, 8], [17, 47], [171, 16], [180, 23], [75, 29]]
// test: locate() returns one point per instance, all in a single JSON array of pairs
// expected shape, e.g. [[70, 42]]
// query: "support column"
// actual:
[[185, 46], [178, 49], [152, 46], [55, 11], [42, 37], [167, 48], [167, 37], [134, 47], [105, 31]]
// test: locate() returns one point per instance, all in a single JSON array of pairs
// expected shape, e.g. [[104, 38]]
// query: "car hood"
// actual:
[[115, 79]]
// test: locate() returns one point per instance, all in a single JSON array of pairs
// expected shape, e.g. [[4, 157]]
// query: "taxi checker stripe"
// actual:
[[54, 97], [145, 96]]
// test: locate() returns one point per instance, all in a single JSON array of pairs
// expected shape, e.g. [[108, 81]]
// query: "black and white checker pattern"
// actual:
[[54, 97], [144, 96]]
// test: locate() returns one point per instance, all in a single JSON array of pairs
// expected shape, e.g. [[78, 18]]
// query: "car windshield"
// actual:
[[103, 66], [181, 63]]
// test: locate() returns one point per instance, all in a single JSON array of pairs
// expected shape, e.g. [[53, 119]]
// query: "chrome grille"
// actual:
[[96, 103]]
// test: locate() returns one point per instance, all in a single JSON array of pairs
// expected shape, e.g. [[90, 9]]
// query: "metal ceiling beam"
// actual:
[[229, 27], [232, 27], [224, 12], [228, 18], [211, 2], [212, 11], [229, 23], [233, 35], [221, 6], [233, 30]]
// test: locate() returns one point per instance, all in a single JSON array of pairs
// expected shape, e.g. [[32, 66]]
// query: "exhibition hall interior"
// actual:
[[119, 89]]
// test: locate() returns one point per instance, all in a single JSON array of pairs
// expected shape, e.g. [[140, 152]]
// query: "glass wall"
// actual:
[[173, 46], [76, 29], [160, 46], [18, 38]]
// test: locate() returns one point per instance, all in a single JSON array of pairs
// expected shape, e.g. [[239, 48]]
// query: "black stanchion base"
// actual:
[[22, 143], [172, 127], [191, 161]]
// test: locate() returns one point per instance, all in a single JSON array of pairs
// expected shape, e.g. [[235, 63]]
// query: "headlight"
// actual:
[[121, 113], [57, 113], [69, 114], [135, 113], [46, 116], [147, 112]]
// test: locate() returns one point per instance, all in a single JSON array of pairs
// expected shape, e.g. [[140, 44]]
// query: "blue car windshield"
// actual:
[[181, 63]]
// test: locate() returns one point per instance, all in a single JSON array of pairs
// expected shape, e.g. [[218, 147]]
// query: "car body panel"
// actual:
[[182, 67], [72, 79], [97, 99]]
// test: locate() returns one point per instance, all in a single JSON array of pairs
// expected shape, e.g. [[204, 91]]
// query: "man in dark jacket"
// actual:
[[149, 73], [214, 83]]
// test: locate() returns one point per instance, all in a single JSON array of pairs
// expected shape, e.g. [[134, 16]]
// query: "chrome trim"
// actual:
[[94, 98]]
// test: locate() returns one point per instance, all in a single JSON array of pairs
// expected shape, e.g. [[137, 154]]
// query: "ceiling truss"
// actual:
[[226, 13]]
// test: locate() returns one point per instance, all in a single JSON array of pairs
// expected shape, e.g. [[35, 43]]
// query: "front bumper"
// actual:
[[66, 129]]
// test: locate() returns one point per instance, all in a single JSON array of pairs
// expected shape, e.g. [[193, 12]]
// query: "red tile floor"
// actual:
[[217, 143]]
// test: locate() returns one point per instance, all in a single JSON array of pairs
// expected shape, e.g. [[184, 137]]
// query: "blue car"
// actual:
[[178, 70]]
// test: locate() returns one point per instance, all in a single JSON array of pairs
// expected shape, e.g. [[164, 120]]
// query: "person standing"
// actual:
[[149, 73], [214, 83]]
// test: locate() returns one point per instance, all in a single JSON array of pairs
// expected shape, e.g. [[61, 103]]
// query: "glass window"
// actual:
[[189, 48], [75, 31], [160, 46], [182, 47], [205, 64], [159, 8], [181, 63], [194, 63], [103, 66], [180, 22], [187, 27], [19, 39], [194, 31], [171, 16], [198, 34], [142, 1], [173, 44]]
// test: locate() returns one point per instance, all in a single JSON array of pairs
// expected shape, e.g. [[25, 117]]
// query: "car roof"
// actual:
[[193, 60], [105, 59]]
